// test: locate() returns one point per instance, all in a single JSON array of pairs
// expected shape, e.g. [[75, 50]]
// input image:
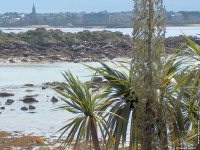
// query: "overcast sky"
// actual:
[[88, 5]]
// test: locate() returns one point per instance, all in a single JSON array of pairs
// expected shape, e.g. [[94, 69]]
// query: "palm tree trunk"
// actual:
[[147, 129], [94, 134], [162, 125], [134, 133], [163, 136]]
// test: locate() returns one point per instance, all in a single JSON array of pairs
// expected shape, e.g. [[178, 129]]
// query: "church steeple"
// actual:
[[33, 9]]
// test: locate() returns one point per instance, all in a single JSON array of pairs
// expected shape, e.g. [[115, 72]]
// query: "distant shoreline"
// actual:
[[184, 25], [90, 27]]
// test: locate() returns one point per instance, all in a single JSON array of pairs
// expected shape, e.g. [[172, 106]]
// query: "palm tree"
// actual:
[[183, 96], [89, 109], [190, 57], [178, 106], [123, 99], [124, 103]]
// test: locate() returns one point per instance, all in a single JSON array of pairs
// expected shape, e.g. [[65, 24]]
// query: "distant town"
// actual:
[[83, 19]]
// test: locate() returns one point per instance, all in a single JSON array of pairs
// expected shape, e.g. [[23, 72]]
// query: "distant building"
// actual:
[[101, 18], [177, 17], [33, 9], [32, 18]]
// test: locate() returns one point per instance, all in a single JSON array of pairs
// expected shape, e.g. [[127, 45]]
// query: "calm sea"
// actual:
[[44, 120], [170, 31]]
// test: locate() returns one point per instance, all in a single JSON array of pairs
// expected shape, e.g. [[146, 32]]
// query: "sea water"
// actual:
[[44, 120], [170, 31]]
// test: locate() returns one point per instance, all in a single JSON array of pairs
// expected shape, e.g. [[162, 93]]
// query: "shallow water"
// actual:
[[170, 31], [44, 121]]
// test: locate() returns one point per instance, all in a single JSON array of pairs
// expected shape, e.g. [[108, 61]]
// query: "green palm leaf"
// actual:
[[89, 108]]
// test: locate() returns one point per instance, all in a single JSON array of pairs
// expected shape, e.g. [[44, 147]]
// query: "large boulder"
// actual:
[[3, 108], [4, 94], [44, 87], [24, 108], [55, 57], [54, 99], [32, 107], [107, 46], [29, 100], [29, 90], [26, 54], [12, 61], [78, 47], [29, 85], [9, 102]]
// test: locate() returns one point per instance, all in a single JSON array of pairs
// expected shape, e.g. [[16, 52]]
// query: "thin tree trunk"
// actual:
[[147, 131], [162, 125], [134, 134], [94, 134], [163, 135]]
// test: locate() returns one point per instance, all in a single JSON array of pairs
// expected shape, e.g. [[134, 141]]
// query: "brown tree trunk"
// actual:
[[147, 129], [95, 139], [163, 136], [162, 125]]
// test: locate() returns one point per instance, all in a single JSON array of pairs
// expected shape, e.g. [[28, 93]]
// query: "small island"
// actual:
[[42, 45]]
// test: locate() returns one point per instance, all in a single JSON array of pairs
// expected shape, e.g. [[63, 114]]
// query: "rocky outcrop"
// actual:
[[29, 100], [29, 85], [84, 46], [90, 51], [44, 46], [54, 99], [9, 102], [4, 94], [2, 108], [174, 43], [31, 107], [24, 108]]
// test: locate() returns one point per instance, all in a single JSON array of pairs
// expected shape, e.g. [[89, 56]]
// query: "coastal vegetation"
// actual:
[[177, 122], [89, 108], [152, 103], [43, 45], [41, 36]]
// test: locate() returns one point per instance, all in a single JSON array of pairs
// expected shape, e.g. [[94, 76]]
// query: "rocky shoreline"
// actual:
[[64, 47], [15, 51], [56, 46], [18, 141]]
